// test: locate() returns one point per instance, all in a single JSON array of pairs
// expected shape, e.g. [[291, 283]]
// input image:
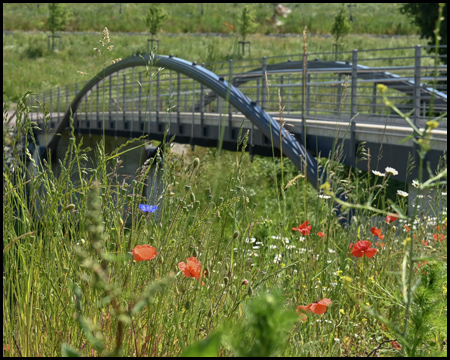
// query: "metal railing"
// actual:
[[324, 90]]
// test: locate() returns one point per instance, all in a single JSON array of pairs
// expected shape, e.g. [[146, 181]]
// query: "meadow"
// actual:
[[233, 259]]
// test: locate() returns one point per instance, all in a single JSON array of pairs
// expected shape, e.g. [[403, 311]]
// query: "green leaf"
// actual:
[[208, 347], [68, 351]]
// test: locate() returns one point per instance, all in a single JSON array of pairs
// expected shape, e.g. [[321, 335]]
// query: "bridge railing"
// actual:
[[325, 89]]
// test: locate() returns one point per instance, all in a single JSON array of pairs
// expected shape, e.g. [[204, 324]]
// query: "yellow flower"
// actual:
[[342, 311], [372, 279], [432, 124], [364, 320], [338, 273], [381, 88]]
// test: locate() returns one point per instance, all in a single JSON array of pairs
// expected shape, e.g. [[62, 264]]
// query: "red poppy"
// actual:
[[303, 228], [406, 228], [191, 268], [363, 248], [441, 237], [396, 345], [229, 26], [391, 218], [350, 246], [143, 252], [6, 348], [318, 307], [380, 244], [377, 232], [425, 242], [321, 234]]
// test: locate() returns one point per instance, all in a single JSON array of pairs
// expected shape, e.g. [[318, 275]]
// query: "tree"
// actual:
[[155, 17], [58, 17], [341, 26], [246, 22], [425, 15]]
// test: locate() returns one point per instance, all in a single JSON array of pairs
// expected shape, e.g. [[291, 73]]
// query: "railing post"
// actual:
[[202, 108], [132, 98], [304, 80], [416, 97], [59, 109], [353, 105], [98, 103], [51, 108], [140, 100], [230, 115], [338, 94], [85, 111], [110, 102], [178, 103], [374, 99], [123, 104], [158, 98], [76, 92], [193, 115], [263, 83]]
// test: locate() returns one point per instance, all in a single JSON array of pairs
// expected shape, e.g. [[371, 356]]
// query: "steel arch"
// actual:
[[268, 126]]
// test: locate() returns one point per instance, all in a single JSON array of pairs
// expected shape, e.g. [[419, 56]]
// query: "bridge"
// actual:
[[324, 104]]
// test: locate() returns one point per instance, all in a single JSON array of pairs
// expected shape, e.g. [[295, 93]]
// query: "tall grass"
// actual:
[[72, 286]]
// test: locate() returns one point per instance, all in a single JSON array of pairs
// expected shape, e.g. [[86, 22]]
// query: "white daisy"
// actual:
[[377, 173], [415, 183], [391, 171], [402, 193]]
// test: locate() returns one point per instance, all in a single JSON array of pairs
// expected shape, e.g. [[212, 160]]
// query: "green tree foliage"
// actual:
[[155, 17], [246, 22], [425, 15], [341, 26], [58, 17]]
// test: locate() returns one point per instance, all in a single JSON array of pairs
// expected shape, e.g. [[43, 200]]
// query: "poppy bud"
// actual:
[[158, 159], [192, 197], [134, 183], [171, 194], [236, 234], [72, 140], [161, 259], [187, 305], [196, 162], [226, 280], [187, 187], [209, 313], [244, 282], [70, 207], [250, 291], [121, 221]]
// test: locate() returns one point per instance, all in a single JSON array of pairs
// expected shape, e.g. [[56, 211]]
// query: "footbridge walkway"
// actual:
[[293, 102]]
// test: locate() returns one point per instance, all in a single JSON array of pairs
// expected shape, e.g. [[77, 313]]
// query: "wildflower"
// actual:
[[362, 248], [415, 183], [110, 47], [406, 228], [377, 173], [229, 26], [277, 259], [381, 88], [324, 196], [191, 268], [342, 311], [105, 35], [101, 43], [321, 234], [377, 232], [432, 124], [81, 73], [402, 193], [95, 49], [426, 242], [440, 236], [391, 218], [318, 307], [391, 171], [396, 345], [148, 208], [143, 252], [303, 228], [6, 348], [380, 244]]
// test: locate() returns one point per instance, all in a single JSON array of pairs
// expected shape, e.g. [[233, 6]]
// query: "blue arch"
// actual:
[[268, 126]]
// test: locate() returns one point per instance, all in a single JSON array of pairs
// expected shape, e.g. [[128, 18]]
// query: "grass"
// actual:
[[72, 286], [380, 19]]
